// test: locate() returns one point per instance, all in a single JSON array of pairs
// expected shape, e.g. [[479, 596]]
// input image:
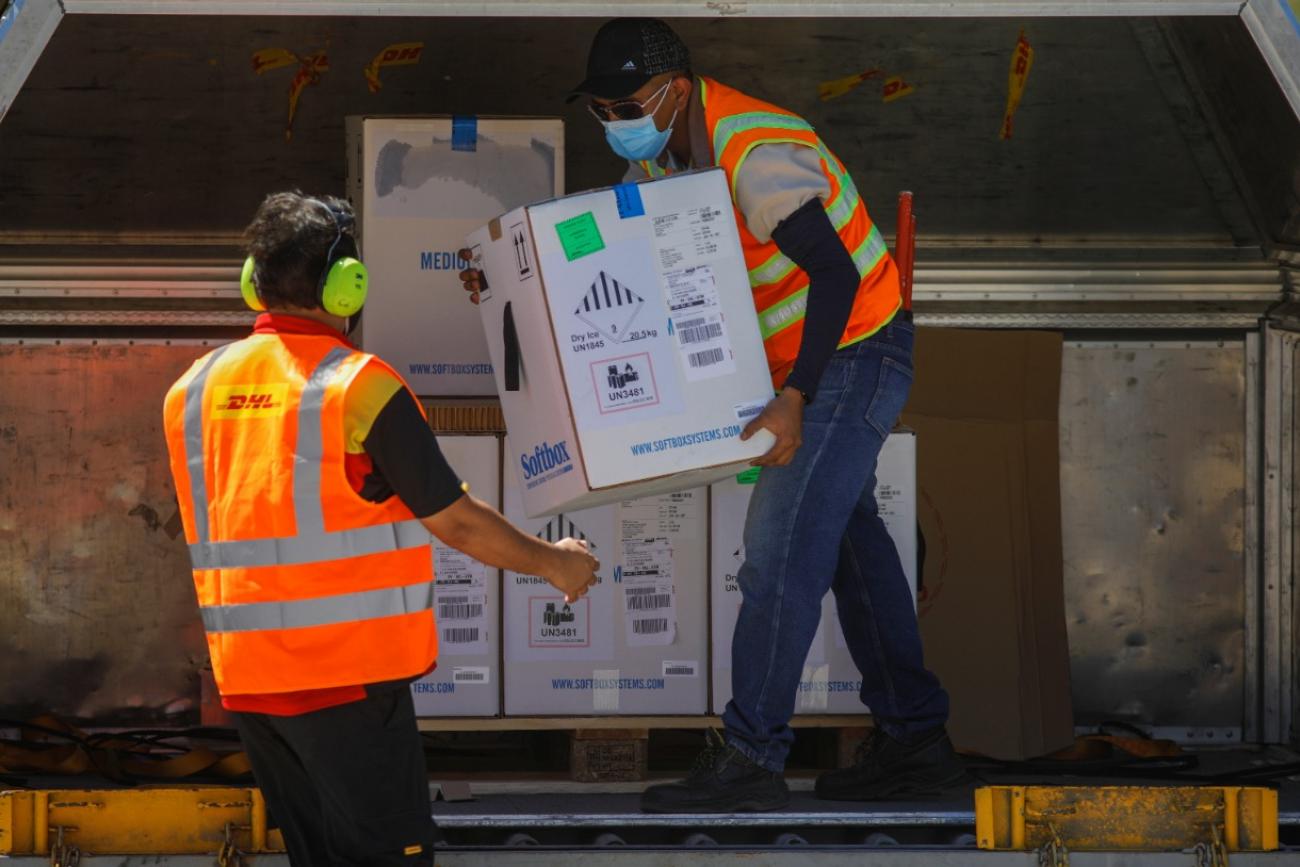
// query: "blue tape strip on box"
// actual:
[[629, 201], [464, 133]]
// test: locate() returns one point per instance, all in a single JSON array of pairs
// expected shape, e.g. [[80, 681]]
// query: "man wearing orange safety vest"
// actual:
[[309, 483], [839, 348]]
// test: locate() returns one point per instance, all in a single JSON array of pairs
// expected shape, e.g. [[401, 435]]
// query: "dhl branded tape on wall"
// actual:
[[896, 88], [309, 71], [1021, 62], [829, 90], [397, 54]]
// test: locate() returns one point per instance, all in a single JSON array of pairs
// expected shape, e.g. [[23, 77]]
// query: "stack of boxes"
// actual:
[[622, 344], [467, 599], [419, 185]]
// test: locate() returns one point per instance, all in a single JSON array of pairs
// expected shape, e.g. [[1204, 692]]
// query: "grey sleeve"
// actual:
[[774, 181], [634, 173]]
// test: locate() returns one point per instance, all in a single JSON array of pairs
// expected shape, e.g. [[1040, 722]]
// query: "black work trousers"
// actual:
[[346, 785]]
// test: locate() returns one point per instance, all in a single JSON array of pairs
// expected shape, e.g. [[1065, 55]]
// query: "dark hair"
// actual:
[[289, 238]]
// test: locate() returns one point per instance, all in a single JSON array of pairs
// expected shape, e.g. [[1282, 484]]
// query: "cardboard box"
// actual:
[[830, 681], [420, 184], [638, 642], [985, 405], [467, 602], [623, 335]]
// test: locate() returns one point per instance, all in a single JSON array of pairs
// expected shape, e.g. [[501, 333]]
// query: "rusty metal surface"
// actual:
[[1153, 505], [1126, 818], [98, 618]]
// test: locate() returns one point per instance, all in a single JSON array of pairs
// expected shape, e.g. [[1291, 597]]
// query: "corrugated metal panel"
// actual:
[[1205, 292]]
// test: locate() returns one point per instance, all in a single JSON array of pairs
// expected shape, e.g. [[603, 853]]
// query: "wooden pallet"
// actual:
[[467, 416], [616, 748]]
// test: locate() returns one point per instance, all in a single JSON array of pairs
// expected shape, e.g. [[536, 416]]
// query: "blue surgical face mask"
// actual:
[[639, 139]]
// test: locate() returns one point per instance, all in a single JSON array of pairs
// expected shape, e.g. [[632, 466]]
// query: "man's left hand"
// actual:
[[784, 418]]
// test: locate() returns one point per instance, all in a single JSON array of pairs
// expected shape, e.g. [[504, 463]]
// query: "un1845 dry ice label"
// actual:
[[612, 332]]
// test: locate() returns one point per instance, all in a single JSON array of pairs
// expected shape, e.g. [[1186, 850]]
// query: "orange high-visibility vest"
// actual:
[[736, 125], [302, 583]]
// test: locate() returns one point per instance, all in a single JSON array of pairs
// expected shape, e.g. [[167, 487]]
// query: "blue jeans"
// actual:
[[813, 526]]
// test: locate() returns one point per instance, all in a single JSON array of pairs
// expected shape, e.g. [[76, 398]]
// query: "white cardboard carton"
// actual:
[[638, 642], [420, 184], [467, 602], [623, 336], [830, 681]]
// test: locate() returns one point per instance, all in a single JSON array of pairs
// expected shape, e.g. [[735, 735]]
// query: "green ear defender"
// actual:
[[341, 290], [342, 287], [247, 288]]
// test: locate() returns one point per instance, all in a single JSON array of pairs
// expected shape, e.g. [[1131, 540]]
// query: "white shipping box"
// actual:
[[623, 336], [830, 681], [467, 601], [421, 184], [637, 642]]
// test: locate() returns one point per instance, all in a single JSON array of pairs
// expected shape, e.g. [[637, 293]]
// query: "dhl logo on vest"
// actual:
[[249, 401]]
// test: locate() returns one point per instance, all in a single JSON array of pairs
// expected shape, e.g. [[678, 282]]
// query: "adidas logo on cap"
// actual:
[[630, 65]]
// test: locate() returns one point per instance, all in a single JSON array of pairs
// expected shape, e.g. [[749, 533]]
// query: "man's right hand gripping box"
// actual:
[[624, 340]]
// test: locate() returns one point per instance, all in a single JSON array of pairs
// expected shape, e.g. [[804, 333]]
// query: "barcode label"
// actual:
[[640, 591], [650, 627], [461, 635], [460, 611], [744, 412], [707, 358], [677, 668], [469, 675], [451, 600], [698, 331], [649, 603]]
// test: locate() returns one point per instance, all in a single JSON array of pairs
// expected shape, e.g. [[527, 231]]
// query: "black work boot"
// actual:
[[885, 768], [724, 780]]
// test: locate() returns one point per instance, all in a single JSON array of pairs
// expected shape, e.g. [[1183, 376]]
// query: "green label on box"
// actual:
[[749, 476], [580, 236]]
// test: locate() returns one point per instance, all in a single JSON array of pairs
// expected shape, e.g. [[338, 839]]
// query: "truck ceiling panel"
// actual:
[[151, 124], [703, 8]]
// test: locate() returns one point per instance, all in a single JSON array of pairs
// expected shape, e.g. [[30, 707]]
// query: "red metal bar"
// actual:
[[905, 246], [911, 262]]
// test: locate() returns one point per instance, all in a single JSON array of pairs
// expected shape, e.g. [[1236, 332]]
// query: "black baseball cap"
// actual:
[[628, 52]]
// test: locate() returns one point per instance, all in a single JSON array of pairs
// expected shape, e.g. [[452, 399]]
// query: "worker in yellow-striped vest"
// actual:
[[309, 483], [839, 348]]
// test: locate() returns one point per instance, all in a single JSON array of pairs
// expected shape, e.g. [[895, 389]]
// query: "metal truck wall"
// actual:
[[98, 618], [157, 131], [1153, 476], [159, 126]]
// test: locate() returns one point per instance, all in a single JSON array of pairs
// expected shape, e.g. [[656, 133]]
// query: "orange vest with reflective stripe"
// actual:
[[736, 125], [302, 583]]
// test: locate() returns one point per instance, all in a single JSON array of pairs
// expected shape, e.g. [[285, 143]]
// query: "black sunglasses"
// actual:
[[624, 109]]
